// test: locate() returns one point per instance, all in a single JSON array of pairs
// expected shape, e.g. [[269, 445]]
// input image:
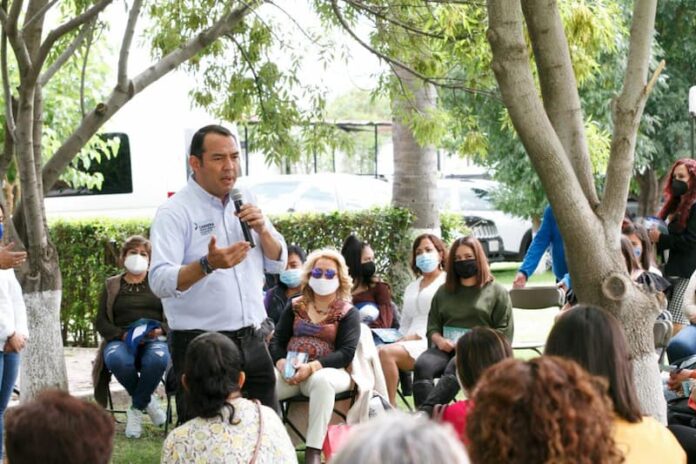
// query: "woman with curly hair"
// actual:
[[324, 326], [680, 239], [594, 339], [544, 411]]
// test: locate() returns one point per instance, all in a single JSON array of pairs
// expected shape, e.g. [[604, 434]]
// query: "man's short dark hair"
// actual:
[[58, 428], [196, 149]]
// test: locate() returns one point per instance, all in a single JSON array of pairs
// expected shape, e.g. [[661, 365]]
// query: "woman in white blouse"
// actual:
[[13, 332], [428, 263]]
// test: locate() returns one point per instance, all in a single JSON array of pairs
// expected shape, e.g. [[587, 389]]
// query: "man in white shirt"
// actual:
[[208, 276]]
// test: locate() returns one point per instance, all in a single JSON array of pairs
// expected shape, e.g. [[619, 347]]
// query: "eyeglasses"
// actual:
[[317, 273]]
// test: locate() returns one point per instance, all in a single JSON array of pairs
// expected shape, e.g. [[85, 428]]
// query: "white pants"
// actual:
[[321, 389]]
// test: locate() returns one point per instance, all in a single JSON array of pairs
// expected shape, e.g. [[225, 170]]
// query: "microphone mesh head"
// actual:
[[236, 194]]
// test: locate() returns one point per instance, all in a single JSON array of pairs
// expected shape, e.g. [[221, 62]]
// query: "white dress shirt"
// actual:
[[226, 299], [13, 313]]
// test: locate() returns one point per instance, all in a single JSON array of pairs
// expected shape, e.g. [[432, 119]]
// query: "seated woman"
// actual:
[[370, 295], [277, 297], [399, 438], [594, 339], [323, 325], [469, 298], [226, 427], [138, 363], [428, 263], [683, 344], [546, 410], [643, 248], [477, 350]]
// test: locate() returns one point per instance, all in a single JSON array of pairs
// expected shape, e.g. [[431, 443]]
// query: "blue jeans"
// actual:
[[150, 362], [683, 344], [9, 367]]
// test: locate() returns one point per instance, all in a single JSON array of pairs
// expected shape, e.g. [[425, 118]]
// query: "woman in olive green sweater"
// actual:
[[469, 298]]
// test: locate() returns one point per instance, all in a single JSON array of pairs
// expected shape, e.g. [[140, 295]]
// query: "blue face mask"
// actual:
[[2, 230], [291, 277], [428, 262], [637, 252]]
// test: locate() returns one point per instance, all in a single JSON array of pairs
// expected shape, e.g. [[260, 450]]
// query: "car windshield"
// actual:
[[473, 198]]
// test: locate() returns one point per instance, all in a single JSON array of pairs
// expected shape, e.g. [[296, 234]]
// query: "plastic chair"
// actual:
[[535, 298]]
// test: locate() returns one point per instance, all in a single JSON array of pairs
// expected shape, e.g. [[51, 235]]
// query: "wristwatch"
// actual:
[[205, 265]]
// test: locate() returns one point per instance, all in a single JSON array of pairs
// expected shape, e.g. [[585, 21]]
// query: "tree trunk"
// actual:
[[591, 233], [43, 364], [649, 196], [415, 166]]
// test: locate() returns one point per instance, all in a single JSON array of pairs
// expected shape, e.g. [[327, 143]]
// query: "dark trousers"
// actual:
[[258, 366], [429, 366]]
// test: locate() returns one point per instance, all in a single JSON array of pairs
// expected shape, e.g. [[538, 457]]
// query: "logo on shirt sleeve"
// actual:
[[205, 227]]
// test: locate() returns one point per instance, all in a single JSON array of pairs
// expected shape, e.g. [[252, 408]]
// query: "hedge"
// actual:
[[88, 251]]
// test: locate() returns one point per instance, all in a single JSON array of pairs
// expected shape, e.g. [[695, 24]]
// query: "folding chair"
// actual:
[[286, 403], [535, 298], [405, 388], [662, 331]]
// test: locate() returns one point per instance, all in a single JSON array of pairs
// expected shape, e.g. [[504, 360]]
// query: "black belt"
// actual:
[[241, 333]]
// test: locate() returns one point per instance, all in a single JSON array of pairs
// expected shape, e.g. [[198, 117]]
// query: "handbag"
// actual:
[[336, 437], [258, 439]]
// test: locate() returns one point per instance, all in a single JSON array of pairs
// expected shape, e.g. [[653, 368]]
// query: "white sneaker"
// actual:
[[154, 410], [134, 423]]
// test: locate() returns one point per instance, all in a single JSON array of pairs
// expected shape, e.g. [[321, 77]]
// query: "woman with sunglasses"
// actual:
[[322, 325], [469, 298]]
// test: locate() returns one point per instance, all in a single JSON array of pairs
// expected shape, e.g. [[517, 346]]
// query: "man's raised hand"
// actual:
[[226, 257]]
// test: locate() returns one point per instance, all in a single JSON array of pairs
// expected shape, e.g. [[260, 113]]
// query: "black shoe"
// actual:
[[421, 390]]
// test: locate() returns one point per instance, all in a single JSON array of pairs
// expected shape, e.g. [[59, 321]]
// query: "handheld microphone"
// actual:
[[238, 202]]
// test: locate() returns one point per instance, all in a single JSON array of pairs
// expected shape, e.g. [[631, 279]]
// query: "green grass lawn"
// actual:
[[529, 325]]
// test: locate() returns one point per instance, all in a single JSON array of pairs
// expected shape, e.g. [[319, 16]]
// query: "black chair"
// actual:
[[406, 388]]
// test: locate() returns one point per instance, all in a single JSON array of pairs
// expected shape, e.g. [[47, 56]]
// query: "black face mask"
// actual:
[[465, 268], [367, 270], [679, 187]]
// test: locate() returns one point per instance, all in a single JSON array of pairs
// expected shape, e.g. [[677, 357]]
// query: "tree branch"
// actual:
[[257, 82], [96, 118], [42, 11], [7, 92], [68, 27], [122, 81], [67, 53], [518, 89], [437, 81], [559, 88], [83, 71], [628, 111], [9, 23]]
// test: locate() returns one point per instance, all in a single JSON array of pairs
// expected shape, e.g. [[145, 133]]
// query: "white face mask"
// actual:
[[136, 264], [323, 286]]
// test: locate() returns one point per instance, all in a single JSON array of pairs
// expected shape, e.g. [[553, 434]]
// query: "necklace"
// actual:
[[136, 287]]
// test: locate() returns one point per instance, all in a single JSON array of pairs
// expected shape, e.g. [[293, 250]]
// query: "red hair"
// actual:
[[680, 205]]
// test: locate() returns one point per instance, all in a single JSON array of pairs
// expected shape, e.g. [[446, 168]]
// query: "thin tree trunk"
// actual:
[[649, 195], [415, 166]]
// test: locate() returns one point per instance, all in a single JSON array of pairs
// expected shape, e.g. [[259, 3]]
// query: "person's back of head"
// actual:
[[213, 369], [594, 339], [547, 410], [58, 428], [478, 349], [399, 438], [352, 253]]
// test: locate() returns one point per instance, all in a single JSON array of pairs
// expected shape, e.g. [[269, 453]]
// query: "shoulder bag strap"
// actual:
[[258, 439]]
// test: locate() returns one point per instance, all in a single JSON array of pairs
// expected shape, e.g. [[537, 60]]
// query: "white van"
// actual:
[[155, 129]]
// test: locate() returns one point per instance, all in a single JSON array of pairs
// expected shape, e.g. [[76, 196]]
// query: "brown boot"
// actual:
[[312, 456]]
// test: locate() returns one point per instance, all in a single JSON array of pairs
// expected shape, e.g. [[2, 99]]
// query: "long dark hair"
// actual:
[[483, 277], [646, 256], [593, 338], [212, 368], [477, 350], [352, 252], [680, 204], [629, 255]]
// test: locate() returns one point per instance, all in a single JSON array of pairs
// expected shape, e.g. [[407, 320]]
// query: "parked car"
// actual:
[[503, 236], [317, 193]]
